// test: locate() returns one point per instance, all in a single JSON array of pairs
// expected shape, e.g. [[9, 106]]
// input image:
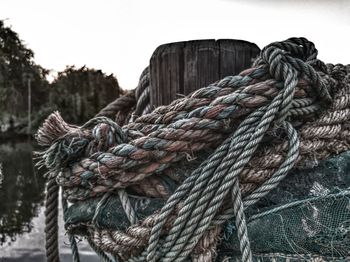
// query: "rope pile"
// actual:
[[288, 110]]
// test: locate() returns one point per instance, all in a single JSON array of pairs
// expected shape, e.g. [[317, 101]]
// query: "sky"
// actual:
[[119, 36]]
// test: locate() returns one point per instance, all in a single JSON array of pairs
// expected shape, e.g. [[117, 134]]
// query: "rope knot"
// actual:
[[269, 108], [293, 58], [70, 143], [106, 133]]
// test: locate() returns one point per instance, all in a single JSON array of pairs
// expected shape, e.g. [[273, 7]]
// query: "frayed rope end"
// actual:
[[53, 128]]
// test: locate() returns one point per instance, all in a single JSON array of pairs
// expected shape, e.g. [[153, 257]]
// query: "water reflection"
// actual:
[[21, 190], [21, 209]]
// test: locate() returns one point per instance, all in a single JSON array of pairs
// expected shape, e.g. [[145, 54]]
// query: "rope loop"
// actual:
[[300, 54], [238, 124], [96, 135], [204, 191]]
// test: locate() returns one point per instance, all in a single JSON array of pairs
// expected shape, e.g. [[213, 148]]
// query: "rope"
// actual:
[[263, 122], [51, 224], [105, 133], [128, 208], [51, 221], [102, 255], [120, 108], [142, 94], [137, 100], [183, 136], [207, 196], [241, 224], [73, 243]]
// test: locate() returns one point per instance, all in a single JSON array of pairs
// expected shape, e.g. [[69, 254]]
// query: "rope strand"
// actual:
[[285, 95]]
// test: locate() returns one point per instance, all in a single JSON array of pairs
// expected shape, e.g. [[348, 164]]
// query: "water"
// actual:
[[21, 209]]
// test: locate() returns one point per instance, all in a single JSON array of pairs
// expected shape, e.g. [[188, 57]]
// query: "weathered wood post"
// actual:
[[182, 67]]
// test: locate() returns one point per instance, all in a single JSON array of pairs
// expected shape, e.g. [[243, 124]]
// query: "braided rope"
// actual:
[[241, 224], [51, 221], [165, 149], [112, 134], [193, 218], [142, 95], [120, 108], [102, 255], [282, 92], [128, 208]]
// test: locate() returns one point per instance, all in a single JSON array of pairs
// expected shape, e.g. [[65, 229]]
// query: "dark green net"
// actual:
[[307, 216]]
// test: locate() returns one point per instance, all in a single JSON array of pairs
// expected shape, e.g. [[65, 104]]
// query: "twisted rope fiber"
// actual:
[[120, 108], [103, 257], [199, 140], [71, 238], [134, 101], [206, 211], [51, 221], [306, 149], [115, 135], [142, 94], [51, 224], [213, 106]]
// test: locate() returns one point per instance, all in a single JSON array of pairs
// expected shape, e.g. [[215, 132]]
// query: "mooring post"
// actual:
[[180, 68]]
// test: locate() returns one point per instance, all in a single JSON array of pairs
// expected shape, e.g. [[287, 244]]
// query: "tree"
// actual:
[[16, 65], [80, 93]]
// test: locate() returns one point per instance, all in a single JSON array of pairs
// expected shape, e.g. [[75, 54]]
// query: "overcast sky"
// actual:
[[119, 36]]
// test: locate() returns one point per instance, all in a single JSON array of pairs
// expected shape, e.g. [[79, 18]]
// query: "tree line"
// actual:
[[27, 96]]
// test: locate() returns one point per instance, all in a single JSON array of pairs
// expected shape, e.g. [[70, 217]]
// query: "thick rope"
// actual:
[[142, 95], [306, 146], [241, 224], [120, 108], [107, 133], [194, 219], [103, 257], [51, 224], [51, 221], [283, 92], [167, 150], [127, 206], [71, 238]]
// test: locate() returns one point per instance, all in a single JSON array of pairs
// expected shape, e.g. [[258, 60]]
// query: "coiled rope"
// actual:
[[263, 122]]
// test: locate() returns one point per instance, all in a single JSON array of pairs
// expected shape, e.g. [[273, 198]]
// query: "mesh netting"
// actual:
[[307, 216]]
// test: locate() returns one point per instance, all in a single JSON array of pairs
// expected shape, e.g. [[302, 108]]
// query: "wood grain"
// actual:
[[180, 68]]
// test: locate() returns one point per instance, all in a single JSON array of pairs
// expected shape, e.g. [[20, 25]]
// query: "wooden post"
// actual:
[[183, 67]]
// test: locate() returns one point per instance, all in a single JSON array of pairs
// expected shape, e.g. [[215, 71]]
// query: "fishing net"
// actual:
[[254, 166], [307, 216]]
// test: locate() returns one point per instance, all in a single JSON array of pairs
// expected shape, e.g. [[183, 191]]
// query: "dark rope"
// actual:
[[51, 221], [71, 237]]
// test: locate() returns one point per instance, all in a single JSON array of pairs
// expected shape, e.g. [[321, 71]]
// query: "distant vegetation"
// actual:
[[78, 93]]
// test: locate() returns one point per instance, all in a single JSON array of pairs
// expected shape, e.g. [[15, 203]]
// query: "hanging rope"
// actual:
[[51, 221]]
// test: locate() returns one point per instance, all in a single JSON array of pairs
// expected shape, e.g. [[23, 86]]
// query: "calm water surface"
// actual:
[[21, 209]]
